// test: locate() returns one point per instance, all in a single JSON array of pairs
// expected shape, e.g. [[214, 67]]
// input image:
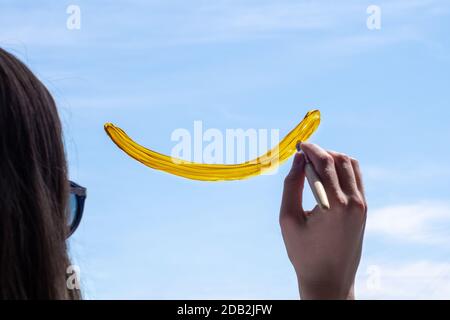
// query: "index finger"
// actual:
[[323, 163]]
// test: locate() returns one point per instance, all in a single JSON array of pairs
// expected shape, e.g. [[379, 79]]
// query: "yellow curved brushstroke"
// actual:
[[217, 172]]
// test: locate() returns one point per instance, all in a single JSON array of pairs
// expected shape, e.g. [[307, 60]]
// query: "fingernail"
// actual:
[[303, 144]]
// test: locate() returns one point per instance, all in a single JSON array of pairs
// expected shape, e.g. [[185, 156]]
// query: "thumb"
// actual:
[[291, 204]]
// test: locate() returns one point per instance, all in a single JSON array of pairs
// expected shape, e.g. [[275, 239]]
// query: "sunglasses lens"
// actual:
[[73, 208]]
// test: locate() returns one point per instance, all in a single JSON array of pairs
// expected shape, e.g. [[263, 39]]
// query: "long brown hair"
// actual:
[[33, 188]]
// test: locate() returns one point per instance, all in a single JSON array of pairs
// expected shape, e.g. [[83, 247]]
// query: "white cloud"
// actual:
[[407, 174], [218, 21], [414, 280], [424, 222], [421, 223]]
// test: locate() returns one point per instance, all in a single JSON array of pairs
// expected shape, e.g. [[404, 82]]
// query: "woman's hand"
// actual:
[[325, 245]]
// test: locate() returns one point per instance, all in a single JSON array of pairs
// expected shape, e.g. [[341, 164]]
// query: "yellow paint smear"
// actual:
[[217, 172]]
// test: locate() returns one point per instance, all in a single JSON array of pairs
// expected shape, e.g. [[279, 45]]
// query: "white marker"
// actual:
[[314, 182]]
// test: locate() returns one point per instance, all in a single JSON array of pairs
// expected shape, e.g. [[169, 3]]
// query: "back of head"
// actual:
[[33, 188]]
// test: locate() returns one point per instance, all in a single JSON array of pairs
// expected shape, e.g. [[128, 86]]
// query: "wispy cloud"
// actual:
[[424, 222], [413, 280], [211, 22], [407, 174]]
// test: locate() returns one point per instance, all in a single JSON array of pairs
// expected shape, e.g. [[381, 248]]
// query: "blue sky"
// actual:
[[155, 66]]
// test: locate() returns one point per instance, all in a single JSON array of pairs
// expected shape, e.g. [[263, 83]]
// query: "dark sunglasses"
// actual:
[[77, 198]]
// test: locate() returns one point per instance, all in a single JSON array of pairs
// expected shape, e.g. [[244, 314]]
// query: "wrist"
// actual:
[[326, 291]]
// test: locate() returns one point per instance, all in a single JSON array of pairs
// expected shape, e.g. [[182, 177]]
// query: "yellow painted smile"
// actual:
[[217, 172]]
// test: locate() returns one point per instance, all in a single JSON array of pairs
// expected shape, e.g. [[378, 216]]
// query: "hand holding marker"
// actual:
[[314, 182]]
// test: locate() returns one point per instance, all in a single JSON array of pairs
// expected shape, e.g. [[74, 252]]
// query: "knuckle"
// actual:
[[356, 202], [342, 158], [326, 160], [355, 162], [366, 208], [341, 200]]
